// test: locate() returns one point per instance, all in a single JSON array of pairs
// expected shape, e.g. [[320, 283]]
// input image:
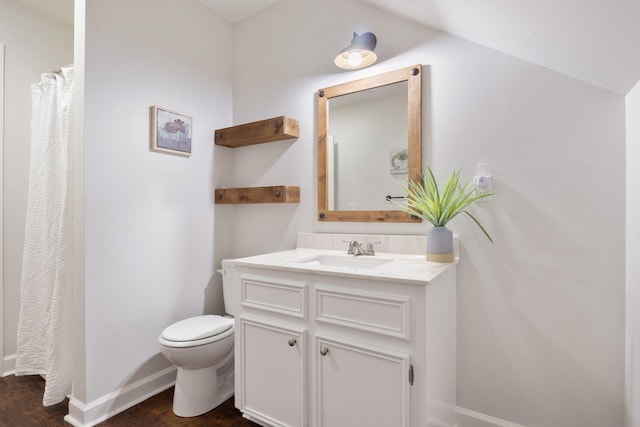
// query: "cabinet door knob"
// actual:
[[324, 350], [292, 342]]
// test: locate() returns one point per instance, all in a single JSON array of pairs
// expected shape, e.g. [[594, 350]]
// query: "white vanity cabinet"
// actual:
[[273, 372], [271, 350], [358, 385], [342, 350]]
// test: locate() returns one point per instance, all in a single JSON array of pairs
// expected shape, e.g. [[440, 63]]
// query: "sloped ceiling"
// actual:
[[596, 41], [236, 10]]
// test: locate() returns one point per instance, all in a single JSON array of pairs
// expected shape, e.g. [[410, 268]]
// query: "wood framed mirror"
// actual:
[[369, 137]]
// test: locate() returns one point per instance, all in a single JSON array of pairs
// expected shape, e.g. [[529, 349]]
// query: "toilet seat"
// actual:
[[196, 331]]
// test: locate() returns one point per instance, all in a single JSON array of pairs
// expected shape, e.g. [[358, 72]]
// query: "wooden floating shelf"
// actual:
[[275, 129], [275, 194]]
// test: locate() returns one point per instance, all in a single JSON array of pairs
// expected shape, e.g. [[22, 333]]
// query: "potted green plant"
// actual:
[[439, 205]]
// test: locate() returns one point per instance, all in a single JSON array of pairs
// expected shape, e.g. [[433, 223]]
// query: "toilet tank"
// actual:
[[230, 288]]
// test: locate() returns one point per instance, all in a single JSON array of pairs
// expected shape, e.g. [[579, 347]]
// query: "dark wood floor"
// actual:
[[21, 406]]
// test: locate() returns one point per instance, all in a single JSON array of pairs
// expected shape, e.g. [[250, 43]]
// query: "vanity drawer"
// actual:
[[278, 296], [381, 314]]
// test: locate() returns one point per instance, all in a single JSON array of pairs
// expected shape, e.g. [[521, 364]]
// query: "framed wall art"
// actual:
[[398, 160], [170, 132]]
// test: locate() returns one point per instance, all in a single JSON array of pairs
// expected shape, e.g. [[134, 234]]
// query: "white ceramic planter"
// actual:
[[440, 245]]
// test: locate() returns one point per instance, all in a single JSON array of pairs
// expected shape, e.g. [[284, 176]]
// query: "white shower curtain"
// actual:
[[44, 325]]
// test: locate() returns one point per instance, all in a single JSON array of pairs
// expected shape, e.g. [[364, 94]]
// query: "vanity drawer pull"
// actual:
[[292, 342], [324, 350]]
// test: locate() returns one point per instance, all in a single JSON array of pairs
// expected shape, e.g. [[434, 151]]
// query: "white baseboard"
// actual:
[[90, 414], [87, 415], [8, 365], [468, 418]]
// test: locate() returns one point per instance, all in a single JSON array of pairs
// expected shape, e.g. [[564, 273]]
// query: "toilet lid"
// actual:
[[197, 328]]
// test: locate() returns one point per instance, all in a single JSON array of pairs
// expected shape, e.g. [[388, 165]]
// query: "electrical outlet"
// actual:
[[483, 182]]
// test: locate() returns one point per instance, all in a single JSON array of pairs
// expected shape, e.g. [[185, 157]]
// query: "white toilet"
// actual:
[[202, 349]]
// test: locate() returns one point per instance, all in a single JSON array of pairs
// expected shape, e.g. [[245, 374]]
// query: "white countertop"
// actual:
[[402, 268]]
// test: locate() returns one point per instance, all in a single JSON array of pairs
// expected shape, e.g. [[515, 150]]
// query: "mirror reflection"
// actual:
[[369, 138], [367, 147]]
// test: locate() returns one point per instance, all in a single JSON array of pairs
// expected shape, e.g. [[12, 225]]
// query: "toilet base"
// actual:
[[198, 391]]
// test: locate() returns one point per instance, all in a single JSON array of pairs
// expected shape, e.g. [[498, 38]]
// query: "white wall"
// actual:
[[148, 217], [633, 254], [541, 312], [34, 44]]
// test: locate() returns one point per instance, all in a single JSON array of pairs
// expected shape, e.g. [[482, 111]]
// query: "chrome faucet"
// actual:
[[355, 248]]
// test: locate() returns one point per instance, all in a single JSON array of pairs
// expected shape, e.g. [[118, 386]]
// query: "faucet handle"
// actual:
[[370, 250]]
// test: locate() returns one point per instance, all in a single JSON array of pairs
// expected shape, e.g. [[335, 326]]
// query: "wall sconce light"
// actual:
[[359, 53]]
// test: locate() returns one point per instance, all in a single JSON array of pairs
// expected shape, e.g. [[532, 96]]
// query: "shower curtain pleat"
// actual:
[[44, 324]]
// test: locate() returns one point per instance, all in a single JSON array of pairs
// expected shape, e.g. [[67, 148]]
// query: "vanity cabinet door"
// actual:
[[361, 385], [273, 374]]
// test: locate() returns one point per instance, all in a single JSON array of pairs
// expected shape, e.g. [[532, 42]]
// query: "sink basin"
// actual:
[[345, 261]]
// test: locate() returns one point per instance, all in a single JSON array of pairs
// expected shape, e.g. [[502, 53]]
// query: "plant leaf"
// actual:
[[438, 205]]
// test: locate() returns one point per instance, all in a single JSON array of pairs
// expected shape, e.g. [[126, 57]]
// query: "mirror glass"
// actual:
[[369, 144], [367, 147]]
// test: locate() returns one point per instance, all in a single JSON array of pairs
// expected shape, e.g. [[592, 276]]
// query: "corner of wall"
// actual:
[[632, 352]]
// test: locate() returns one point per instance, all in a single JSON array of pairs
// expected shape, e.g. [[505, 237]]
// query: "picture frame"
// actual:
[[398, 160], [170, 132]]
